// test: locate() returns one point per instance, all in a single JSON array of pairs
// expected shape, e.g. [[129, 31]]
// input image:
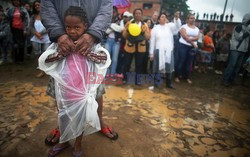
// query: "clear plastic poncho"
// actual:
[[75, 91]]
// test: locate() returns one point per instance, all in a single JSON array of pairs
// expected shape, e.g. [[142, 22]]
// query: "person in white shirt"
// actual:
[[161, 46], [189, 36], [113, 42]]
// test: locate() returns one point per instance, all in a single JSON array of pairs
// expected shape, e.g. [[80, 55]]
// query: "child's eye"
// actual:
[[77, 27], [67, 27]]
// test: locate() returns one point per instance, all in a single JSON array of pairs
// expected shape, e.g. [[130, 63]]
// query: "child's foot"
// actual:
[[77, 152], [108, 132], [53, 137], [58, 149]]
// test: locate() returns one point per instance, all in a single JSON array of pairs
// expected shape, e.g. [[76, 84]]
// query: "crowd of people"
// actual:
[[159, 46]]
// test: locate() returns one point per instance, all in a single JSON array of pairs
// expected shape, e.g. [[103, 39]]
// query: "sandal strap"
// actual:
[[106, 130], [56, 150], [79, 154]]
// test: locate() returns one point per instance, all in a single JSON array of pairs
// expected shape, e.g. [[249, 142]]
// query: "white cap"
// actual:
[[128, 14]]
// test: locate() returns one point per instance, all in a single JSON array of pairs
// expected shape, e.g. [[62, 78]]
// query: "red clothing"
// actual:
[[207, 41], [17, 19]]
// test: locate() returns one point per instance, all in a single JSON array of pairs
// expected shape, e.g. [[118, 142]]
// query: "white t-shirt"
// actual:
[[191, 32], [39, 28]]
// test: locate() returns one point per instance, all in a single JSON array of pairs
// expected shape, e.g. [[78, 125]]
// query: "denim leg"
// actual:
[[238, 65], [45, 46], [108, 46], [36, 48], [181, 59], [115, 54], [188, 63], [231, 66]]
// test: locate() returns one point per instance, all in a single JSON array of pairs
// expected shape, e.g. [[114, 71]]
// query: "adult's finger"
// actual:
[[82, 50]]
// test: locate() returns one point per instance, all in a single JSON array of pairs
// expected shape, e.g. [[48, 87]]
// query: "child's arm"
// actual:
[[99, 57], [54, 57]]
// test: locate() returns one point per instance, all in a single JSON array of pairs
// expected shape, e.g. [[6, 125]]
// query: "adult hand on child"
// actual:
[[84, 44], [65, 44]]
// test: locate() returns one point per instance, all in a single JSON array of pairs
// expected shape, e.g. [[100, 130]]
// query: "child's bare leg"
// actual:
[[78, 144], [112, 133]]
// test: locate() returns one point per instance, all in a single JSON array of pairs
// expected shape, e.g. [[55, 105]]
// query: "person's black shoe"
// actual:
[[226, 84], [170, 86]]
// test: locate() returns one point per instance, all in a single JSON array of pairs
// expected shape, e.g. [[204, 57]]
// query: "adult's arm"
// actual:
[[184, 35], [146, 31], [102, 20], [175, 26], [187, 37], [26, 20], [116, 27], [51, 20], [152, 43]]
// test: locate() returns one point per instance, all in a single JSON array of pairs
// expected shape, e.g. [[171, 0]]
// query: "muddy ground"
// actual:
[[202, 119]]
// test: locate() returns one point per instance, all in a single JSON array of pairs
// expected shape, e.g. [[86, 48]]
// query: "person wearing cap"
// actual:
[[126, 17]]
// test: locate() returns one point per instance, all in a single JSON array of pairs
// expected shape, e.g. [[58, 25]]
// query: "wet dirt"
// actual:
[[202, 119]]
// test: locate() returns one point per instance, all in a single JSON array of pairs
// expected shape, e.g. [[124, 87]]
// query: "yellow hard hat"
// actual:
[[134, 29]]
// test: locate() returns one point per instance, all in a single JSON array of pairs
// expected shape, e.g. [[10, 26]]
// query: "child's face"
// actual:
[[74, 27]]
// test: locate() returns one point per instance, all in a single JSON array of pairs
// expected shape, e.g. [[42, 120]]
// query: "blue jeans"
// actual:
[[113, 47], [233, 66], [39, 48], [185, 58]]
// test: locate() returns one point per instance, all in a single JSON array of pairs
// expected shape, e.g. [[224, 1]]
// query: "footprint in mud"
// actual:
[[207, 140]]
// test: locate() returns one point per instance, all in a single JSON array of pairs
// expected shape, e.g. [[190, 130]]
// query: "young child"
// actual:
[[205, 53], [74, 94]]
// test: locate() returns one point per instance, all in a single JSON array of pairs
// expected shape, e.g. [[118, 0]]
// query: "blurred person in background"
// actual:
[[5, 38], [162, 46], [126, 17], [188, 41], [222, 53], [28, 43], [40, 39], [206, 52], [154, 19], [113, 42], [239, 47], [135, 45], [19, 23]]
